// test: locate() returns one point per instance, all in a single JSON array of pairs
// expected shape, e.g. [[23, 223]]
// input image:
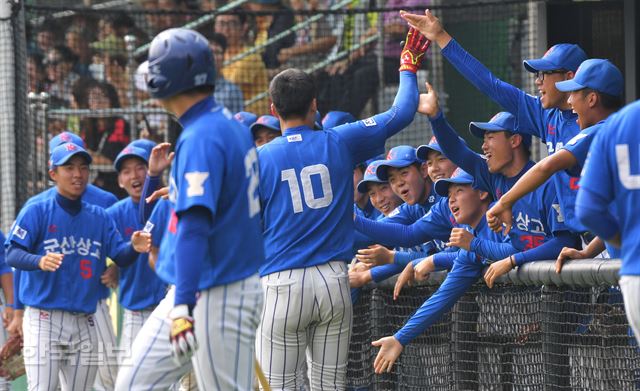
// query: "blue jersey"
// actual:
[[579, 147], [140, 288], [92, 195], [369, 212], [216, 167], [554, 127], [612, 173], [86, 240], [408, 214], [306, 184], [162, 226], [4, 268]]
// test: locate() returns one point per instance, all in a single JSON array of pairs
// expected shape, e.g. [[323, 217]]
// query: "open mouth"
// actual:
[[404, 193], [385, 207], [438, 176], [455, 211], [136, 185]]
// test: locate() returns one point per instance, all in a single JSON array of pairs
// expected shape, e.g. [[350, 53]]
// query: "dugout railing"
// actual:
[[536, 330]]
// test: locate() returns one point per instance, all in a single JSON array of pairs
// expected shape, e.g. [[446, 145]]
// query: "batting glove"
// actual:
[[182, 337], [415, 47]]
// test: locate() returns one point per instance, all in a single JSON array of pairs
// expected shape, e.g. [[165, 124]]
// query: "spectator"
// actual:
[[225, 91], [159, 22], [46, 37], [76, 41], [248, 73], [269, 26], [110, 65], [59, 63], [35, 72]]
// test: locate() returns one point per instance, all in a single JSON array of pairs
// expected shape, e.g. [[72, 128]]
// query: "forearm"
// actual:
[[381, 273], [444, 260], [390, 234], [17, 304], [548, 250], [492, 250], [125, 255], [452, 146], [20, 258], [151, 184], [6, 279], [405, 105], [403, 258]]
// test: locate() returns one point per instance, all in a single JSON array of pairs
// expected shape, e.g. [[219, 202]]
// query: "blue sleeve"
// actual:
[[158, 222], [151, 184], [125, 255], [459, 153], [491, 250], [17, 303], [391, 234], [578, 146], [26, 229], [403, 258], [526, 108], [381, 273], [366, 138], [453, 287], [20, 258], [593, 212], [4, 268], [548, 250], [194, 225], [444, 260]]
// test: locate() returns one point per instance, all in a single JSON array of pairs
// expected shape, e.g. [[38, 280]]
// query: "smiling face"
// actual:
[[382, 197], [582, 102], [466, 204], [439, 166], [71, 179], [550, 96], [408, 183], [497, 149], [131, 177]]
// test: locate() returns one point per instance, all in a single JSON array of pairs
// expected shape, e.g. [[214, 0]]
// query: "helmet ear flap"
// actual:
[[157, 83]]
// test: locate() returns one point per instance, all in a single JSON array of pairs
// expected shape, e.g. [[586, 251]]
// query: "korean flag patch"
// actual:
[[369, 122], [19, 232]]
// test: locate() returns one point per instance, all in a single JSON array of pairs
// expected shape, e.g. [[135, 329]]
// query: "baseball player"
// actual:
[[214, 188], [610, 181], [548, 116], [246, 118], [468, 206], [93, 195], [265, 129], [62, 243], [140, 289], [595, 93], [306, 191], [6, 281]]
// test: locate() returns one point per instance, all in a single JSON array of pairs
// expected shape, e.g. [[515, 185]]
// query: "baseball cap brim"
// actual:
[[442, 185], [422, 152], [381, 171], [66, 158], [568, 86], [255, 126], [478, 129], [539, 64], [362, 185], [118, 163]]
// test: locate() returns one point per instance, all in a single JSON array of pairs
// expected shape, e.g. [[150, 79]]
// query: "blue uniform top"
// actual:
[[216, 167], [4, 268], [554, 126], [162, 225], [611, 177], [92, 195], [85, 239], [140, 288], [369, 212], [306, 184]]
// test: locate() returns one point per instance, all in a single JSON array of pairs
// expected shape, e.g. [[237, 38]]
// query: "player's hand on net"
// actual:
[[160, 193], [160, 159], [110, 277], [415, 47], [496, 270], [428, 104], [406, 277], [500, 217], [375, 255], [50, 262], [428, 25], [460, 238], [422, 270], [15, 326], [182, 335], [141, 241], [390, 350]]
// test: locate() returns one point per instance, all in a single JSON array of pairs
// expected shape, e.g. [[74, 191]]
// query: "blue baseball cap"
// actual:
[[597, 74], [246, 118], [459, 177], [566, 56], [131, 151], [267, 121], [422, 152], [65, 137], [398, 157], [370, 176], [63, 152], [500, 122], [143, 143], [337, 118], [318, 121], [366, 163]]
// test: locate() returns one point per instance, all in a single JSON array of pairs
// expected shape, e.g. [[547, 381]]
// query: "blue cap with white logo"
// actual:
[[459, 177], [246, 118], [398, 157], [370, 176], [65, 137], [63, 152], [597, 74], [267, 121], [130, 151], [337, 118], [565, 56], [500, 122]]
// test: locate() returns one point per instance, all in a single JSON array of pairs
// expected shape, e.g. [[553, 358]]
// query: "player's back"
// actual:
[[306, 189]]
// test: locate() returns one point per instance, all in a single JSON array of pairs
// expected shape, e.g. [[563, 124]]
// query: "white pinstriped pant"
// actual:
[[132, 322], [630, 287], [108, 349], [307, 315], [59, 346]]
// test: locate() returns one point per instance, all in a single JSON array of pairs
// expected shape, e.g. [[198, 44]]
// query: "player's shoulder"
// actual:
[[37, 205], [119, 206], [95, 195], [94, 212]]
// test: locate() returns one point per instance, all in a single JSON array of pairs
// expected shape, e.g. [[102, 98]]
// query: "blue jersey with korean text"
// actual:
[[140, 288], [612, 172], [86, 240], [216, 167]]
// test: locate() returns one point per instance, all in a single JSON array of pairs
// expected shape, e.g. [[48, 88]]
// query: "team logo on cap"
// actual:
[[371, 170], [71, 147], [127, 150], [457, 172], [495, 117], [549, 51], [65, 137], [433, 140], [391, 155], [262, 120]]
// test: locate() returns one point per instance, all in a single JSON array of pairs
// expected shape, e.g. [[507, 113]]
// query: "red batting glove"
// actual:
[[415, 47]]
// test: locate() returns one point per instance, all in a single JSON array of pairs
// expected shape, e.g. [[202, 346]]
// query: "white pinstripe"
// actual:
[[307, 315], [132, 322], [108, 348]]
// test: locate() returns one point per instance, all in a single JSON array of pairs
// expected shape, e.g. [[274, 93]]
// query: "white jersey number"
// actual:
[[631, 182], [307, 189], [252, 172]]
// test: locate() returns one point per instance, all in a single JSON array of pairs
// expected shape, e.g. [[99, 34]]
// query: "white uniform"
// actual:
[[132, 322], [107, 349]]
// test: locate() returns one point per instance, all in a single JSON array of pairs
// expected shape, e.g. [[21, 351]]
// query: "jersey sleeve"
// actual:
[[366, 138], [198, 175], [578, 146], [158, 222], [596, 176], [25, 230], [112, 241], [4, 268]]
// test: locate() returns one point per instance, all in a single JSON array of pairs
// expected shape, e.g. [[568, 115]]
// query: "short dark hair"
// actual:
[[292, 92], [609, 102], [219, 40], [526, 148]]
